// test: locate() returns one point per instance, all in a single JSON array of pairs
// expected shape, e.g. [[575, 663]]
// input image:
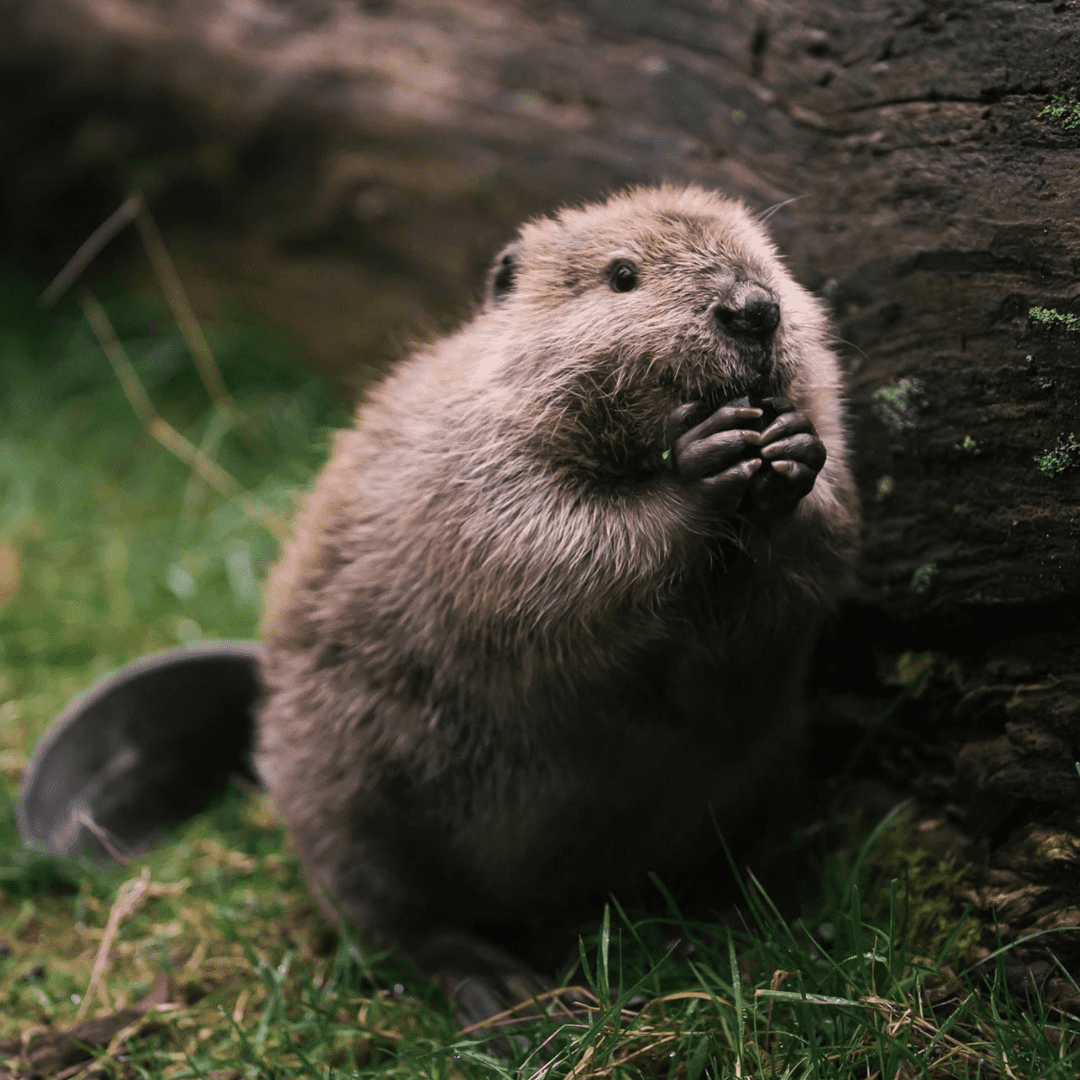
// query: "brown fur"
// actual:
[[511, 664]]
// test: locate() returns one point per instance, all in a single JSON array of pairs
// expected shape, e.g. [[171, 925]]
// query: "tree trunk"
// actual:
[[349, 167]]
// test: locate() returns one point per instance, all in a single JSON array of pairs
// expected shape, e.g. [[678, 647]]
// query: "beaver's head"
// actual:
[[671, 289]]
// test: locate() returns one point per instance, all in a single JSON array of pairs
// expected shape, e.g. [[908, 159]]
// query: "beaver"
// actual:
[[545, 623]]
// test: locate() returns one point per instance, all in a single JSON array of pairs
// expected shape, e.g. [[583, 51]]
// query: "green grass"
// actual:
[[108, 550]]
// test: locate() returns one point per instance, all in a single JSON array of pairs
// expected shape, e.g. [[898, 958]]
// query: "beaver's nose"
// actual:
[[749, 312]]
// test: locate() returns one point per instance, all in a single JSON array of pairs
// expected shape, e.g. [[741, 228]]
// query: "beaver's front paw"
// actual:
[[792, 456], [718, 457]]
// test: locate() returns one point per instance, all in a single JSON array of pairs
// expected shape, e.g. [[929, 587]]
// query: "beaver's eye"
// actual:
[[502, 274], [622, 275]]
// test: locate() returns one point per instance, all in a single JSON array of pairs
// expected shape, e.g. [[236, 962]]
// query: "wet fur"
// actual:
[[511, 665]]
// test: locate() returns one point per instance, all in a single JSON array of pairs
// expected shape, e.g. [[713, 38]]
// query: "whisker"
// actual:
[[852, 345], [769, 211]]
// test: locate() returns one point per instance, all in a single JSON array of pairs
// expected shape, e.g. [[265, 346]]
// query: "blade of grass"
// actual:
[[176, 297], [602, 972], [736, 993], [91, 248]]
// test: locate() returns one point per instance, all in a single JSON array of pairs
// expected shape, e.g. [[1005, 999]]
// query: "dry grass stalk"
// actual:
[[105, 1063], [164, 432], [91, 248], [657, 1042], [103, 837], [582, 1065], [190, 328], [195, 490], [392, 1037], [134, 209], [508, 1017], [129, 896]]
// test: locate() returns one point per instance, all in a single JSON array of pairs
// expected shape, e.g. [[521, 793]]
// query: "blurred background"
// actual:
[[330, 179]]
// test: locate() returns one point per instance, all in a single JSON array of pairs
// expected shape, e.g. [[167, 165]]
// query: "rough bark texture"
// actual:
[[348, 168]]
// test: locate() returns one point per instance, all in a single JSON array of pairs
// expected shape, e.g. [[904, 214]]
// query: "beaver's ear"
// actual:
[[500, 279]]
